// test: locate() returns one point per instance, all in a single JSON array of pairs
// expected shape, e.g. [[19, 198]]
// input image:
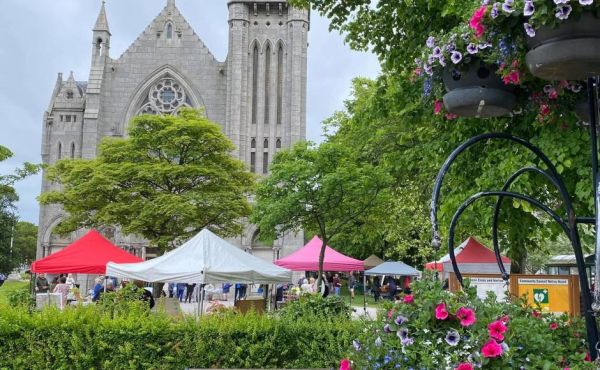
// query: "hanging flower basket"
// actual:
[[570, 51], [477, 91]]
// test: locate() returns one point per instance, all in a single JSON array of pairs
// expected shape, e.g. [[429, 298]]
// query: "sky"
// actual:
[[41, 38]]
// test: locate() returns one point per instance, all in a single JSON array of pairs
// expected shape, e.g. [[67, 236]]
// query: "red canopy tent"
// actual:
[[471, 256], [307, 259], [87, 255]]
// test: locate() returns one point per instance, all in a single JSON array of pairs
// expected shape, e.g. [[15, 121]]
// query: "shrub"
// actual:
[[20, 297], [91, 337], [436, 329], [308, 305]]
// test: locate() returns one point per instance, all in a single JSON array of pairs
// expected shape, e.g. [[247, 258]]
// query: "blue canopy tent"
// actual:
[[390, 268]]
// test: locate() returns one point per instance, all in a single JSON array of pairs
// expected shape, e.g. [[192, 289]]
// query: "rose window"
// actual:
[[167, 96]]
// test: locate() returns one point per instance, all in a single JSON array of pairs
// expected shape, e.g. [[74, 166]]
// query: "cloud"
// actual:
[[41, 38]]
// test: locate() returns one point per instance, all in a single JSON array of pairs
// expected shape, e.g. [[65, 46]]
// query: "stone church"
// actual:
[[257, 95]]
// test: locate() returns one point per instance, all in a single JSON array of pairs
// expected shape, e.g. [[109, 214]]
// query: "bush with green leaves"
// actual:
[[19, 297], [437, 329], [308, 305], [90, 337]]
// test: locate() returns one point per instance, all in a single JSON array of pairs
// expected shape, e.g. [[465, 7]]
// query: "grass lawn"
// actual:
[[358, 298], [9, 286]]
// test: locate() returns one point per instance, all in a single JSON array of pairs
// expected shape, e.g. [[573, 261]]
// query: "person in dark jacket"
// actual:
[[146, 294], [376, 289], [392, 287]]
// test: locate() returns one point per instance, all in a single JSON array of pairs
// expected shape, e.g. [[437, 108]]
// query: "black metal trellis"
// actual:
[[591, 305]]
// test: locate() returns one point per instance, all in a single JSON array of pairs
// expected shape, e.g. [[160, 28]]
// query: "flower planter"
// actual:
[[568, 52], [477, 92]]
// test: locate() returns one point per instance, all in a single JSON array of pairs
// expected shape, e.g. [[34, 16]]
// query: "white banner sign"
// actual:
[[528, 281]]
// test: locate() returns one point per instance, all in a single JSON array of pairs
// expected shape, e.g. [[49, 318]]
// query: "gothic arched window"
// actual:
[[169, 31], [59, 150], [265, 168], [266, 143], [253, 143], [254, 81], [278, 143], [267, 81], [279, 82], [253, 162], [72, 150]]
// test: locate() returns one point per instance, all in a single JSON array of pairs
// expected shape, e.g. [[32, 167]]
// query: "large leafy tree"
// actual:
[[8, 212], [319, 189], [24, 242], [173, 176], [384, 124]]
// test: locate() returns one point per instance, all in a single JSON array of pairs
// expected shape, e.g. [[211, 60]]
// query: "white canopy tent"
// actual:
[[205, 258]]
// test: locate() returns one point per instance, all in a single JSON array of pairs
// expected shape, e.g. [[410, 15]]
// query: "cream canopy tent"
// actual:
[[372, 261], [205, 258]]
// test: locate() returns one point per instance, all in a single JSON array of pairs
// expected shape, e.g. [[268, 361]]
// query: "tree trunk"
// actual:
[[321, 258], [157, 289]]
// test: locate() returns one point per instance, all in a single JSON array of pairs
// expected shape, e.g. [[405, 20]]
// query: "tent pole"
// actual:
[[365, 292], [202, 294]]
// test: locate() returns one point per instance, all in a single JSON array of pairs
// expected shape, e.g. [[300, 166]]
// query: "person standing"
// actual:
[[180, 289], [41, 284], [351, 284], [2, 279], [226, 288], [337, 284], [63, 289], [376, 289], [189, 292], [392, 287], [97, 289]]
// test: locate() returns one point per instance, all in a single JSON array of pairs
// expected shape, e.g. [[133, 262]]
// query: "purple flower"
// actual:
[[356, 345], [387, 328], [437, 51], [456, 57], [430, 42], [402, 333], [494, 12], [378, 342], [442, 61], [548, 88], [407, 341], [400, 319], [472, 48], [586, 2], [430, 59], [427, 68], [529, 8], [563, 11], [507, 6], [560, 1], [485, 45], [450, 46], [529, 30], [452, 338]]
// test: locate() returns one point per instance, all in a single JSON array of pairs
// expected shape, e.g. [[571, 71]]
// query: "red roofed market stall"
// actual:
[[87, 255], [471, 257]]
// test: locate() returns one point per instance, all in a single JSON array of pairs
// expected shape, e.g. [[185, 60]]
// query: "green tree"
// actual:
[[24, 242], [172, 177], [321, 189], [8, 212]]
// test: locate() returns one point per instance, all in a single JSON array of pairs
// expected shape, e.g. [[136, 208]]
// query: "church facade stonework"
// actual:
[[257, 95]]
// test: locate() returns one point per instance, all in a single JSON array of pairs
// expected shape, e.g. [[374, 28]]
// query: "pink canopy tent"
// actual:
[[307, 259]]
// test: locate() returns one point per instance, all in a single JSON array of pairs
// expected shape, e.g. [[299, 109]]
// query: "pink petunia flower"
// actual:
[[466, 316], [587, 358], [390, 314], [512, 78], [535, 313], [476, 21], [345, 364], [497, 329], [440, 311], [491, 349], [437, 107], [464, 366], [408, 299], [553, 326]]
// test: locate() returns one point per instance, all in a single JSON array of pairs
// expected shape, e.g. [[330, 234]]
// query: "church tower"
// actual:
[[266, 79]]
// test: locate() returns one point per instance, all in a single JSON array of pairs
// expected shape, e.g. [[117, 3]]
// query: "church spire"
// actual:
[[102, 22], [170, 3]]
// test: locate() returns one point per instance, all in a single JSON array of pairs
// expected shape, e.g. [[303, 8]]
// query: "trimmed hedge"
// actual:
[[89, 338]]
